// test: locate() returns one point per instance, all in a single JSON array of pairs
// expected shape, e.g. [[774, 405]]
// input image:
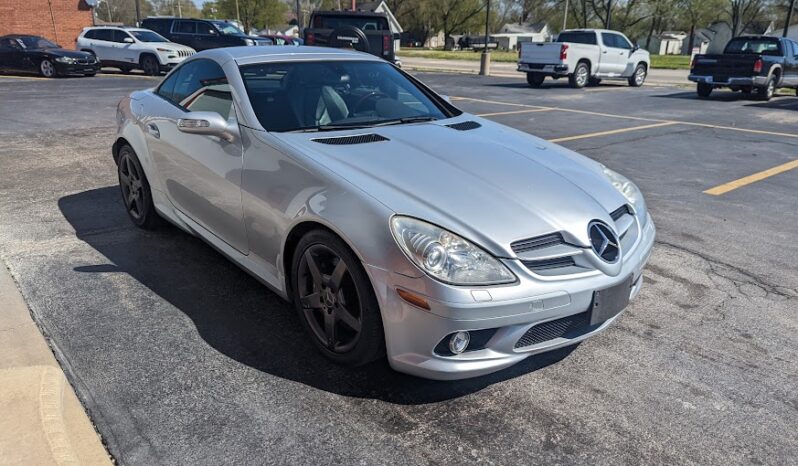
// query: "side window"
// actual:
[[621, 42], [608, 39], [206, 29], [200, 86], [104, 34], [185, 27], [119, 35], [794, 47], [90, 34]]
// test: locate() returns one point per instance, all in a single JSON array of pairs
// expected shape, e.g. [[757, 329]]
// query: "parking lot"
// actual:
[[180, 357]]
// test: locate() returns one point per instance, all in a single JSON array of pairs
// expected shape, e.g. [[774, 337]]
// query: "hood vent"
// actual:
[[355, 139], [465, 125], [539, 242]]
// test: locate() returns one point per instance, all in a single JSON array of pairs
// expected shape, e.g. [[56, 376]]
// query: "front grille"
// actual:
[[184, 53], [548, 264], [566, 327], [620, 212], [465, 125], [538, 242], [356, 139]]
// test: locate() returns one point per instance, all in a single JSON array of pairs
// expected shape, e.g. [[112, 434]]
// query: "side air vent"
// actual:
[[356, 139], [465, 125], [620, 212], [539, 242]]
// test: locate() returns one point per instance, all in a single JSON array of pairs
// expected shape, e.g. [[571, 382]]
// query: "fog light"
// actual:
[[459, 342]]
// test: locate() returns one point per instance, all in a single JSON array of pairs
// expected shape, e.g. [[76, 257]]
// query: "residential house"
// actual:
[[511, 34], [393, 23]]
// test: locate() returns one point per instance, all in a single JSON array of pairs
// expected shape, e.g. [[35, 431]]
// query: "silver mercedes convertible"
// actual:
[[395, 223]]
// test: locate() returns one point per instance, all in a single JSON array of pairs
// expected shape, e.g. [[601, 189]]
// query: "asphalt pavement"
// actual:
[[181, 358]]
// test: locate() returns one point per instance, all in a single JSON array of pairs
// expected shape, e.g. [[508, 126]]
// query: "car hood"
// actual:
[[493, 185]]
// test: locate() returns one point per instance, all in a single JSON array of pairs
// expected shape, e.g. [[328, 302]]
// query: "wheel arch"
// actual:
[[588, 63]]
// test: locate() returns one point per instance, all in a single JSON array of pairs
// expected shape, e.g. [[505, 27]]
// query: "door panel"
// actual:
[[613, 58], [200, 174]]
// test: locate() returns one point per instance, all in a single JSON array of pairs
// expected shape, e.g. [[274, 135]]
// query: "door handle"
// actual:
[[153, 130], [604, 51]]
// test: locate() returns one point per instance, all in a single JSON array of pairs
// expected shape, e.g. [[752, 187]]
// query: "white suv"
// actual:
[[129, 48]]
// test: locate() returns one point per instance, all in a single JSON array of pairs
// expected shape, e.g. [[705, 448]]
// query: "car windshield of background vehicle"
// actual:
[[364, 24], [577, 37], [334, 95], [35, 43], [761, 46], [228, 29], [148, 36]]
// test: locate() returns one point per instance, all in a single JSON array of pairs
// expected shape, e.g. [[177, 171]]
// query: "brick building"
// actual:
[[58, 20]]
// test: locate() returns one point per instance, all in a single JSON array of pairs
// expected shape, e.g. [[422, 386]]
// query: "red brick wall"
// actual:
[[34, 17]]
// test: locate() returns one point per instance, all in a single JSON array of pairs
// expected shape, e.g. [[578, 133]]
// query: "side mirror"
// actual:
[[128, 40], [208, 124]]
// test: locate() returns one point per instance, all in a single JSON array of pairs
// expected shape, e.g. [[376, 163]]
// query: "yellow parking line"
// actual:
[[485, 101], [513, 112], [24, 78], [614, 131], [743, 130], [732, 185]]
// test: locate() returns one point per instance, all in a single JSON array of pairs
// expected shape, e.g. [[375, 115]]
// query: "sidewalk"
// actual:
[[658, 77], [42, 421]]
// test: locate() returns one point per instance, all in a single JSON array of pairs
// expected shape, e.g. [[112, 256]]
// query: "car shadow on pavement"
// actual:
[[717, 96], [238, 316]]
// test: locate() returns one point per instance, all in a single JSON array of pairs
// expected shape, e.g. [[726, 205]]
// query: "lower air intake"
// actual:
[[561, 328], [465, 125]]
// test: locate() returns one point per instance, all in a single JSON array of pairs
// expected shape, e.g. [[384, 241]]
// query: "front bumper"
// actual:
[[412, 334], [731, 81], [65, 69], [548, 70]]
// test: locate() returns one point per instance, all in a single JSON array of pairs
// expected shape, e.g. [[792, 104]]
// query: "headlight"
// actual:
[[446, 256], [65, 60], [164, 50], [629, 190], [249, 42]]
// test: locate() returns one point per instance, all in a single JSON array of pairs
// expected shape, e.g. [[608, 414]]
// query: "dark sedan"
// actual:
[[33, 54]]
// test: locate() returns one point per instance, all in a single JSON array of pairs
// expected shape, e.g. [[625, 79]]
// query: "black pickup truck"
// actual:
[[360, 30], [758, 64]]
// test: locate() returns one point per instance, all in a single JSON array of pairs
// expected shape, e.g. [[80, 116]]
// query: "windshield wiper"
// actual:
[[402, 121], [340, 127]]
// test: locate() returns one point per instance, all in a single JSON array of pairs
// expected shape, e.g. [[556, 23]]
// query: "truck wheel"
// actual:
[[704, 90], [578, 79], [639, 76], [535, 79], [767, 92]]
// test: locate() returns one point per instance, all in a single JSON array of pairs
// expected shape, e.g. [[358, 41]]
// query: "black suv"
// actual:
[[202, 34], [363, 31]]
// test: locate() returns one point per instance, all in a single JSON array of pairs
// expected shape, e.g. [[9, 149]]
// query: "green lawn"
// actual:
[[674, 62]]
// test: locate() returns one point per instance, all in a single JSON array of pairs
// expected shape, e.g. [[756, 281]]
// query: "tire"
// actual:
[[135, 188], [535, 79], [578, 79], [639, 76], [703, 90], [47, 69], [766, 93], [150, 65], [593, 81], [337, 306]]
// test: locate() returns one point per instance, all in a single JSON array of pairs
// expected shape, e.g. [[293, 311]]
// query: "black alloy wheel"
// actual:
[[136, 190], [335, 300]]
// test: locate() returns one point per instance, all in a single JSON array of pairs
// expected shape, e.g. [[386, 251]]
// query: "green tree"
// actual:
[[254, 13], [696, 13]]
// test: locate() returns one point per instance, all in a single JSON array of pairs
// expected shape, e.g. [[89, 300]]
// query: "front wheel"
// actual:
[[639, 77], [136, 191], [578, 79], [335, 300], [47, 69], [535, 79], [150, 66], [703, 90]]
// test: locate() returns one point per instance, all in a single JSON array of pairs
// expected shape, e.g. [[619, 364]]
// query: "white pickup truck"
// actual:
[[585, 56]]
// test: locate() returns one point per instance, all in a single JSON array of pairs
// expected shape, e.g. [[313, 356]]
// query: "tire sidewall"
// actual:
[[575, 80], [149, 218], [633, 79], [371, 342]]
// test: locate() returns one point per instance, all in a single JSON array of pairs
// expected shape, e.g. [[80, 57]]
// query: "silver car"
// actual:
[[395, 223]]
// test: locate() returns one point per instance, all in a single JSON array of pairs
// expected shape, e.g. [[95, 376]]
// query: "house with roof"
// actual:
[[511, 34], [382, 7]]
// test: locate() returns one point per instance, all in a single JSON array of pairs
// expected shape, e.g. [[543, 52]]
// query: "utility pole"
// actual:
[[138, 13], [789, 19], [298, 19], [565, 17], [354, 5], [179, 10], [484, 62], [609, 13], [238, 13]]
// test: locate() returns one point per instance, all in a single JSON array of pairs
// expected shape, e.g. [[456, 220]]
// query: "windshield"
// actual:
[[228, 29], [148, 36], [35, 43], [370, 23], [329, 95], [758, 45]]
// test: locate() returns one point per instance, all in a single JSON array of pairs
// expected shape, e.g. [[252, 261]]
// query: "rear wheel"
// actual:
[[47, 69], [704, 90], [766, 93], [578, 79], [136, 191], [335, 300], [639, 77], [535, 79]]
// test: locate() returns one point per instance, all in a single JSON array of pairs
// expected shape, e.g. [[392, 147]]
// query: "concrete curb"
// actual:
[[42, 421]]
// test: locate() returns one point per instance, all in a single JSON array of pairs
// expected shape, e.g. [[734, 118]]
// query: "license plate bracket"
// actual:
[[607, 303]]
